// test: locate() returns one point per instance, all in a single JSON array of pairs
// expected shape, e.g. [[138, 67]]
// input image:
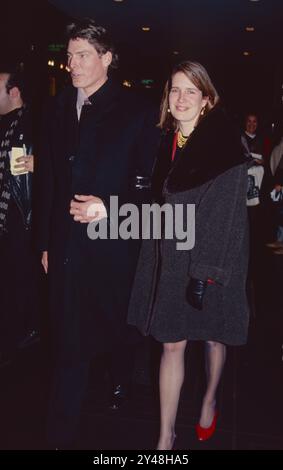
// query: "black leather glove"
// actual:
[[195, 293]]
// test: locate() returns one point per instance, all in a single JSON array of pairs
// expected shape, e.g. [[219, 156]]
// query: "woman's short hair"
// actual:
[[97, 36], [200, 78]]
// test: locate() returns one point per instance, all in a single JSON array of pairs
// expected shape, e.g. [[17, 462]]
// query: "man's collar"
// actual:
[[82, 99], [252, 136]]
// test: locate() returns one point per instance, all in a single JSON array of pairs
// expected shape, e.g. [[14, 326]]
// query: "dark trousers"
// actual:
[[121, 365], [19, 282], [69, 389], [67, 394]]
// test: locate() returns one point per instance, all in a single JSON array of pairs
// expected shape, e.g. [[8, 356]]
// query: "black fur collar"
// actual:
[[213, 148]]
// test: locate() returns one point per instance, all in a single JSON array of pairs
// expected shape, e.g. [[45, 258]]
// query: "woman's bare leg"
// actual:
[[171, 377], [215, 360]]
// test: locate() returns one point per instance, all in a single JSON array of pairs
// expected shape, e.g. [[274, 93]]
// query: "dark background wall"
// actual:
[[210, 31]]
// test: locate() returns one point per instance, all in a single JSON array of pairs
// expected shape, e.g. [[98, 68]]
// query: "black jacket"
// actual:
[[21, 185]]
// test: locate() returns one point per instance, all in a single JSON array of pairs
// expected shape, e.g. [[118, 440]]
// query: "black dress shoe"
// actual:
[[31, 338], [118, 398]]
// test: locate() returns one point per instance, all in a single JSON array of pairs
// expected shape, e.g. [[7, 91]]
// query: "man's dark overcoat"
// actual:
[[114, 141]]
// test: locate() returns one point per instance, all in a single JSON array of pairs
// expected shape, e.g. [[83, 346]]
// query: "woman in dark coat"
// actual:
[[196, 294]]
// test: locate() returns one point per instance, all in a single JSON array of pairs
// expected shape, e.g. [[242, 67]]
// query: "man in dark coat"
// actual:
[[276, 193], [100, 139], [19, 316]]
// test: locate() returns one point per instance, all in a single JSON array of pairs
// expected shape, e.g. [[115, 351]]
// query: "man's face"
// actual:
[[88, 69], [251, 124], [5, 101]]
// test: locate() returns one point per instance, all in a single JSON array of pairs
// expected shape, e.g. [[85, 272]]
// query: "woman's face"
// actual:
[[185, 100]]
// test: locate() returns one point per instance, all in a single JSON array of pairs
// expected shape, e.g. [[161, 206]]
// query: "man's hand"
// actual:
[[86, 209], [26, 163], [44, 261]]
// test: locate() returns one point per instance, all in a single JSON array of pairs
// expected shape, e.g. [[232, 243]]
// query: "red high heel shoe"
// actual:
[[206, 433]]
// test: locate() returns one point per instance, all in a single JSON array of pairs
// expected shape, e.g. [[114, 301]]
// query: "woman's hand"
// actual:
[[195, 293]]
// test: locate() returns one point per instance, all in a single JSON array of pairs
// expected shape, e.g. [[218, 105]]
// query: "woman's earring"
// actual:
[[168, 110], [202, 111]]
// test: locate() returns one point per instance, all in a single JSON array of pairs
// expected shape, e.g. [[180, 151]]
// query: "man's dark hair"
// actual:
[[97, 36], [251, 112], [16, 78]]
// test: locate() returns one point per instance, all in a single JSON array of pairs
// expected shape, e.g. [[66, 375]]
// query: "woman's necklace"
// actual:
[[181, 139]]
